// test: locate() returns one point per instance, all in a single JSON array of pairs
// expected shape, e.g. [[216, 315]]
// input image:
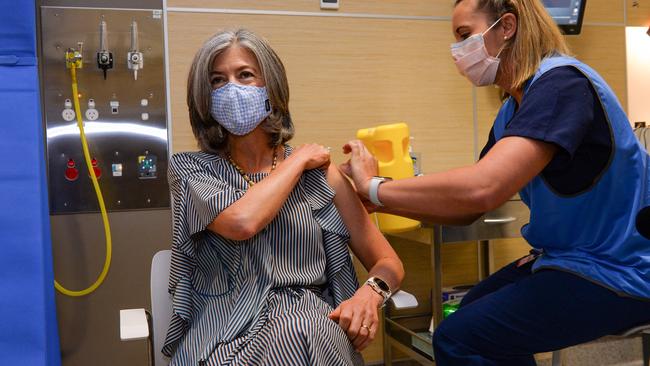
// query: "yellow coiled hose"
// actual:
[[100, 199]]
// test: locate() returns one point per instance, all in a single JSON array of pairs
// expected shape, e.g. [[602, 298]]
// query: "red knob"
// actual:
[[98, 172], [71, 173], [70, 163]]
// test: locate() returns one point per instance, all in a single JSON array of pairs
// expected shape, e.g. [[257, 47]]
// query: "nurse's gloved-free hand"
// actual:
[[361, 167]]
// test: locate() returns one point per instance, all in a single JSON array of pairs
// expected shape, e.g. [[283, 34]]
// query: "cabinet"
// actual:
[[401, 332]]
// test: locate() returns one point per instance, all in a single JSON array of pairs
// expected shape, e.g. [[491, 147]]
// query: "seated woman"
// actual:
[[261, 230]]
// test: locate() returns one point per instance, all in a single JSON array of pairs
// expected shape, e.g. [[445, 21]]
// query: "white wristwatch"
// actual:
[[373, 191]]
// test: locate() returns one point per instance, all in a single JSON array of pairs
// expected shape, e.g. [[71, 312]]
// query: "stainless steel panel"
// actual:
[[130, 4], [89, 325], [504, 222], [113, 138]]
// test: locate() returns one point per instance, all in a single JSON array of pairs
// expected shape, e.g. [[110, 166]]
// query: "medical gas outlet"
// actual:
[[104, 56], [134, 59]]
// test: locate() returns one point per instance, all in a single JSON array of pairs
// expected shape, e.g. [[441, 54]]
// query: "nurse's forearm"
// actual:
[[460, 220], [473, 190], [452, 197]]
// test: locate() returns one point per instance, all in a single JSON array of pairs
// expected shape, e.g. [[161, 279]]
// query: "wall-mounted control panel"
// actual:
[[122, 98]]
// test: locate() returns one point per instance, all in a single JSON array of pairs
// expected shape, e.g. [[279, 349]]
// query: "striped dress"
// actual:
[[261, 301]]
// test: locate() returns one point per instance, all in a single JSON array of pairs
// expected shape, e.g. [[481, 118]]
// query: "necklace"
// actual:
[[243, 173]]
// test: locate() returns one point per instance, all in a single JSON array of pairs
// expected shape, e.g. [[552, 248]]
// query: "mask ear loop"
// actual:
[[492, 26], [505, 38], [502, 48]]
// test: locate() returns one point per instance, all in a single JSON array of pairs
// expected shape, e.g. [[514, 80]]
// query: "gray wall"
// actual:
[[89, 325]]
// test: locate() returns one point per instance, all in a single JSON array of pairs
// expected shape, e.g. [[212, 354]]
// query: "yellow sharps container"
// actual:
[[390, 146]]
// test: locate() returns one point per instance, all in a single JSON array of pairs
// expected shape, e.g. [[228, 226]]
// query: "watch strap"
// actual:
[[373, 192]]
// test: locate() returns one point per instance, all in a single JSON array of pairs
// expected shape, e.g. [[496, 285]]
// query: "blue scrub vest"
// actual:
[[593, 233]]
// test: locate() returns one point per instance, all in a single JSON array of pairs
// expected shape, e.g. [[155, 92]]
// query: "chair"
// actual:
[[137, 324], [642, 330]]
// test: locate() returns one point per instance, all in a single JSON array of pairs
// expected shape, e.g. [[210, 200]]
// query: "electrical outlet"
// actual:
[[92, 114], [68, 115]]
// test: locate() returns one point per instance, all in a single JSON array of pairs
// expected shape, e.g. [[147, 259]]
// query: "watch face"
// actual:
[[382, 285]]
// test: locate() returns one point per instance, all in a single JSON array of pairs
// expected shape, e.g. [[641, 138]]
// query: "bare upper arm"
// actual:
[[366, 242], [346, 200]]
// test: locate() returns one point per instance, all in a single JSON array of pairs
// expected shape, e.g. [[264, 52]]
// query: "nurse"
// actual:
[[563, 141]]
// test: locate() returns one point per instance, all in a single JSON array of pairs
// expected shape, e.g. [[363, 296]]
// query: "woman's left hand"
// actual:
[[358, 316]]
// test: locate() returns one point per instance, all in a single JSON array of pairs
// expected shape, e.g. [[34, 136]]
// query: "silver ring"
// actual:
[[329, 149], [365, 326]]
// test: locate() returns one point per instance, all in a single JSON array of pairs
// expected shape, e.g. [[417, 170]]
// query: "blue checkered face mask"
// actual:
[[240, 108]]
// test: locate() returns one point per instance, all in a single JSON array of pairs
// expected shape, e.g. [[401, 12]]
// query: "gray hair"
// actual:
[[210, 135]]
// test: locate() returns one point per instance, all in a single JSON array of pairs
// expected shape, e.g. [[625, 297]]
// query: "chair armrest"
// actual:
[[403, 300], [133, 324]]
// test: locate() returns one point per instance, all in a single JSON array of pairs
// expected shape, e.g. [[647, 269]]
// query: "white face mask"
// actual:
[[473, 60]]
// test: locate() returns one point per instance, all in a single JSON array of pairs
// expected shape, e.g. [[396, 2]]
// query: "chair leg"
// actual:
[[645, 339], [150, 347], [557, 358]]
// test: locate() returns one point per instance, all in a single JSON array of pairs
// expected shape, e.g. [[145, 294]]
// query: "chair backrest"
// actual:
[[161, 303]]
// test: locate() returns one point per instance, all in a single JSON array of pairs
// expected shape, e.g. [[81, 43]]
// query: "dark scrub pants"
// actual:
[[515, 313]]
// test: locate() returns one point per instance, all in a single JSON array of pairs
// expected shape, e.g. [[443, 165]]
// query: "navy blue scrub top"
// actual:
[[562, 108]]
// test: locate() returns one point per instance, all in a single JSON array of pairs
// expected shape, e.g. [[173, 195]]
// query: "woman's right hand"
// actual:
[[313, 156]]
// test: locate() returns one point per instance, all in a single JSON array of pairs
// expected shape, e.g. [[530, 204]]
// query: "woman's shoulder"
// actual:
[[197, 156], [183, 163], [317, 177], [314, 184], [193, 158], [288, 150]]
